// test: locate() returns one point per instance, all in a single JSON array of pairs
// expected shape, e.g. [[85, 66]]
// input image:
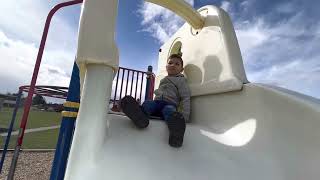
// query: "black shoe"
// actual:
[[177, 127], [131, 108]]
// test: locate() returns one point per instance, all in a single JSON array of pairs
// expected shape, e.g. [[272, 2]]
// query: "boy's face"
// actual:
[[174, 66]]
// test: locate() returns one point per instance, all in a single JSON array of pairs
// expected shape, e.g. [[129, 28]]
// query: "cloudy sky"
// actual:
[[279, 40]]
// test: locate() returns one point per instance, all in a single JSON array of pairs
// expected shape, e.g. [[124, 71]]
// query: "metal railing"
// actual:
[[131, 82]]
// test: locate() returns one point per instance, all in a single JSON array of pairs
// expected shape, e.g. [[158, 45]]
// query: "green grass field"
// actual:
[[35, 140]]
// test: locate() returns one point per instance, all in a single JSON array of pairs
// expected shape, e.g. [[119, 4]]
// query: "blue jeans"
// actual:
[[158, 108]]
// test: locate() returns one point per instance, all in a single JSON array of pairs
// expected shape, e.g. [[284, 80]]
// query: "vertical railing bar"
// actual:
[[127, 82], [123, 70], [141, 87], [115, 92], [135, 95], [132, 82]]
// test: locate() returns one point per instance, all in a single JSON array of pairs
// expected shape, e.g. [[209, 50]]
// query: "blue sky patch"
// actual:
[[279, 40]]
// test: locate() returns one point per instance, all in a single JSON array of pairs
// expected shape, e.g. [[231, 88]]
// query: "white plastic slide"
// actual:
[[257, 133], [239, 130]]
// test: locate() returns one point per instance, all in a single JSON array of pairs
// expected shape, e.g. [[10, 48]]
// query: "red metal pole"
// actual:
[[152, 86], [33, 83], [37, 67]]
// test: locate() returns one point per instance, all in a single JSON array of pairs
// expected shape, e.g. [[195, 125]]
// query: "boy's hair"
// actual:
[[178, 56]]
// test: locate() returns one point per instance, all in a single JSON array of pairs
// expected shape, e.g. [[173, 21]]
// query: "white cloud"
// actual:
[[53, 75], [23, 19], [286, 7], [225, 5], [298, 75], [292, 27], [18, 59], [251, 35], [285, 54], [160, 22], [21, 26], [245, 5]]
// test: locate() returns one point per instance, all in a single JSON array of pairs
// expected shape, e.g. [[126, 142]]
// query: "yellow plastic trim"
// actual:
[[70, 104], [69, 114]]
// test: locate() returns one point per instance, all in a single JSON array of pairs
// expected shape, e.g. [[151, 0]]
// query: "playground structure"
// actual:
[[239, 130], [48, 91], [126, 79]]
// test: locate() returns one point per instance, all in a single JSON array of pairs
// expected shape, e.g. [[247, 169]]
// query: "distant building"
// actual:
[[2, 96], [9, 103], [7, 100]]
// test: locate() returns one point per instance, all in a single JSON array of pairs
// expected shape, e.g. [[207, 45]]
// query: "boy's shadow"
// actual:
[[203, 79], [211, 70]]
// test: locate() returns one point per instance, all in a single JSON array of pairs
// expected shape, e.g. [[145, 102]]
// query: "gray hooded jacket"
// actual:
[[175, 89]]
